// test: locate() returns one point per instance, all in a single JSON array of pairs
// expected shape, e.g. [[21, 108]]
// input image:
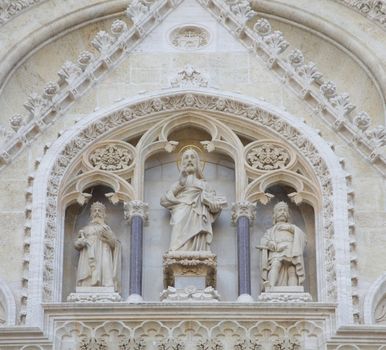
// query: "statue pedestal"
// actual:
[[189, 277], [94, 295], [285, 294]]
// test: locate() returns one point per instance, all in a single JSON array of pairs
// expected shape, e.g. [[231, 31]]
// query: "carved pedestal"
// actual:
[[189, 277], [94, 295], [284, 294]]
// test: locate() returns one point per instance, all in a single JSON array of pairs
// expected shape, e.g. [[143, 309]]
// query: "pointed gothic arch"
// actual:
[[237, 113]]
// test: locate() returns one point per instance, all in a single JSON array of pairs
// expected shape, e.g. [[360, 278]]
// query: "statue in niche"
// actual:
[[194, 207], [282, 248], [100, 252]]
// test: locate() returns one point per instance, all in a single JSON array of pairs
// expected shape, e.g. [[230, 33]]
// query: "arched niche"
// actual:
[[374, 306], [76, 217], [303, 216], [161, 171], [234, 123], [7, 306]]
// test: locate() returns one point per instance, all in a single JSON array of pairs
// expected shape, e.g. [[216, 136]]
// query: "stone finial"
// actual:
[[243, 208]]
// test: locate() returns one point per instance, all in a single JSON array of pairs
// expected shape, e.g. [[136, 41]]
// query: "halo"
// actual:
[[183, 149]]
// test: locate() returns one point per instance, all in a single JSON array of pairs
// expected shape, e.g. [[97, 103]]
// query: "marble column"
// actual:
[[243, 214], [136, 213]]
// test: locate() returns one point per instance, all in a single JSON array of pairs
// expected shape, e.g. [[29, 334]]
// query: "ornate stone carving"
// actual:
[[194, 263], [172, 294], [138, 9], [208, 334], [282, 248], [136, 208], [189, 37], [268, 157], [11, 8], [189, 77], [111, 157], [374, 10], [243, 208], [192, 223], [204, 102], [380, 312], [99, 266], [241, 8], [16, 122]]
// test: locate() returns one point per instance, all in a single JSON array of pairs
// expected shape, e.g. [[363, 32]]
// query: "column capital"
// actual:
[[136, 208], [243, 208]]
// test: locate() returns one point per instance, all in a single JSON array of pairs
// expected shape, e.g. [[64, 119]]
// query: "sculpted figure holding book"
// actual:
[[194, 206]]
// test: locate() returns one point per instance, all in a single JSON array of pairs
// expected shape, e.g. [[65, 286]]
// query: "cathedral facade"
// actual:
[[192, 174]]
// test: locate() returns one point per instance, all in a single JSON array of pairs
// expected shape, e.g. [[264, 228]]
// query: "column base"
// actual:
[[245, 298], [285, 294], [189, 294], [135, 299]]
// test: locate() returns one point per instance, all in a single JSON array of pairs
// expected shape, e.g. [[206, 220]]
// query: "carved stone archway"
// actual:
[[136, 114]]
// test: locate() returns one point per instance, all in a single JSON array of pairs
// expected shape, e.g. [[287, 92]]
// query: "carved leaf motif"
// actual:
[[69, 72], [268, 157], [138, 9], [309, 73], [111, 158], [102, 42], [189, 37], [276, 42], [342, 104], [241, 8], [36, 105]]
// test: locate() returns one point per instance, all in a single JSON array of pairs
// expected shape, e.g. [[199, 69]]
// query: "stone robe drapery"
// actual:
[[293, 245], [99, 263], [191, 219]]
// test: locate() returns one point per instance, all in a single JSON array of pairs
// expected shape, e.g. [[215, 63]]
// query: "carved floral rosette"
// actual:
[[268, 155], [112, 156], [198, 263]]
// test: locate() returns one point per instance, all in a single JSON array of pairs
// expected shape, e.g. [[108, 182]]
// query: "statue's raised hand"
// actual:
[[183, 177]]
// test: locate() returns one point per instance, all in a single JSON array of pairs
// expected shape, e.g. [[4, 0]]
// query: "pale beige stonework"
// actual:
[[347, 47]]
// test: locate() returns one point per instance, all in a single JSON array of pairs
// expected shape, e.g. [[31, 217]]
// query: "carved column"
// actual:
[[243, 214], [136, 213]]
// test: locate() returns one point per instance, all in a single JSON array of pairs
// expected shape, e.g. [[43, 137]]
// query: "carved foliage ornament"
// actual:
[[111, 157], [268, 157]]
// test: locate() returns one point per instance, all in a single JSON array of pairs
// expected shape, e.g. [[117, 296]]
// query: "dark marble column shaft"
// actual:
[[243, 255], [135, 286]]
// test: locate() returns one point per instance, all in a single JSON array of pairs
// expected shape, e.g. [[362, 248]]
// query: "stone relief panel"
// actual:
[[189, 37], [195, 335]]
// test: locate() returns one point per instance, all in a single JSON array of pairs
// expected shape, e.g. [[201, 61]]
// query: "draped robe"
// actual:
[[191, 218], [293, 244], [99, 263]]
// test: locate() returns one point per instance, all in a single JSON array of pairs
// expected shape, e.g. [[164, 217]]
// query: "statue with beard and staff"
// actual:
[[100, 252], [282, 249], [194, 206]]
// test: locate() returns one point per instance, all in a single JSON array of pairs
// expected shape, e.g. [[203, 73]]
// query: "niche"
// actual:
[[302, 216], [76, 218], [161, 171]]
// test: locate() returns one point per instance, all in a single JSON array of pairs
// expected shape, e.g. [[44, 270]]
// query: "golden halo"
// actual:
[[183, 149]]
